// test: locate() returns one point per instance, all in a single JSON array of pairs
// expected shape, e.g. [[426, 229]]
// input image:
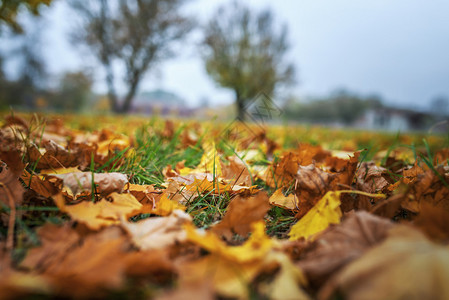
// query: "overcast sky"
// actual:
[[398, 49]]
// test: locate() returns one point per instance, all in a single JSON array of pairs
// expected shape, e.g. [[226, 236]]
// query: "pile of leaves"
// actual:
[[180, 211]]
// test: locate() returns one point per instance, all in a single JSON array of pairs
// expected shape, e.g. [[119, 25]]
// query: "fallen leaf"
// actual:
[[236, 172], [46, 187], [56, 242], [288, 202], [433, 221], [325, 212], [285, 284], [102, 213], [339, 245], [311, 185], [163, 206], [92, 267], [405, 266], [105, 183], [158, 232], [10, 187], [241, 213]]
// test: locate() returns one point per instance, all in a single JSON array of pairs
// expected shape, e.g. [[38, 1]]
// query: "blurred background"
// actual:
[[373, 65]]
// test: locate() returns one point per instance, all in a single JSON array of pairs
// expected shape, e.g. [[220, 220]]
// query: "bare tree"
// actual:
[[245, 53], [136, 33]]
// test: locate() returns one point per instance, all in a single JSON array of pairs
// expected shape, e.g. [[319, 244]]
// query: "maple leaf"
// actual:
[[405, 266], [339, 245], [56, 241], [163, 206], [237, 172], [241, 213], [105, 183], [103, 213], [11, 189], [288, 202], [325, 212], [158, 232], [41, 185], [231, 269], [311, 185]]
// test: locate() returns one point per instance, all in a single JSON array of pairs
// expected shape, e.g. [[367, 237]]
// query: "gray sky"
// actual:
[[398, 49]]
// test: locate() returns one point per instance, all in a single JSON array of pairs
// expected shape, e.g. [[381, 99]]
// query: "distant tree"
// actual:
[[31, 72], [341, 106], [136, 33], [9, 10], [74, 92], [244, 52]]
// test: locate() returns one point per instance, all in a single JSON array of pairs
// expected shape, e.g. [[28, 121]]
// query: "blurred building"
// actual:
[[398, 119], [161, 102]]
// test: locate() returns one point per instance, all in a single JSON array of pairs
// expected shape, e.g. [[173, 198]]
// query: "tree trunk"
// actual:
[[240, 107], [130, 95], [113, 102]]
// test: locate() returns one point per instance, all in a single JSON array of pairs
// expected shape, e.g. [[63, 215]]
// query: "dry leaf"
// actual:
[[288, 202], [241, 213], [103, 213], [56, 242], [325, 212], [11, 190], [236, 172], [158, 232], [339, 245], [405, 266], [311, 185], [105, 183], [162, 206]]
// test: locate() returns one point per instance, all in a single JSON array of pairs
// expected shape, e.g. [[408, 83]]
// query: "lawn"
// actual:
[[133, 207]]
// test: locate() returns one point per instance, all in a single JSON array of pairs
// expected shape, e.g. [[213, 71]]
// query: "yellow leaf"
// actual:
[[60, 171], [256, 247], [325, 212], [278, 199], [210, 162], [102, 213], [163, 207]]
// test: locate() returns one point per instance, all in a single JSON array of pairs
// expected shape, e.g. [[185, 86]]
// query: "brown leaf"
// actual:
[[433, 221], [93, 266], [13, 160], [311, 185], [341, 244], [153, 264], [405, 266], [56, 241], [102, 213], [288, 202], [11, 190], [158, 232], [54, 156], [242, 211], [236, 172], [44, 187], [105, 183]]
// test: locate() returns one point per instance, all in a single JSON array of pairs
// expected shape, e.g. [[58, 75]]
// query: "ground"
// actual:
[[133, 207]]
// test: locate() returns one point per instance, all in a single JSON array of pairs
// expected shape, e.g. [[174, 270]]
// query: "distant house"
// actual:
[[396, 119], [160, 102]]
